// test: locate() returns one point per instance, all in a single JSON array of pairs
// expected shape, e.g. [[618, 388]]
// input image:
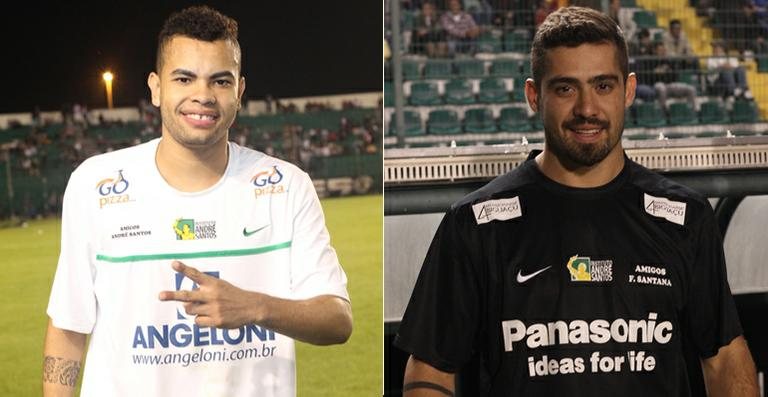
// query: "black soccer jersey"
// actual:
[[538, 289]]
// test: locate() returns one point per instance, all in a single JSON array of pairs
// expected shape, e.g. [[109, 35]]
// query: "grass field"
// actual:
[[28, 260]]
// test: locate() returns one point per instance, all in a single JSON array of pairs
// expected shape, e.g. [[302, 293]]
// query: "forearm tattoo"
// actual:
[[61, 371]]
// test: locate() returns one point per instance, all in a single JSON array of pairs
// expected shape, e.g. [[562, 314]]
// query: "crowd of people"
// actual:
[[663, 58], [81, 134], [743, 23]]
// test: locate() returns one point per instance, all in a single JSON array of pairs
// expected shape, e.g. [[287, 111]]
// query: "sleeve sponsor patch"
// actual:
[[497, 210], [673, 211]]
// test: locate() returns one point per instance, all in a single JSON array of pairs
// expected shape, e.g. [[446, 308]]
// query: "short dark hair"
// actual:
[[675, 22], [200, 23], [572, 27]]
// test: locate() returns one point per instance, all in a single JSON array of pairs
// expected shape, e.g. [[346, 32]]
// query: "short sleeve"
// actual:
[[72, 304], [710, 313], [441, 321], [315, 268]]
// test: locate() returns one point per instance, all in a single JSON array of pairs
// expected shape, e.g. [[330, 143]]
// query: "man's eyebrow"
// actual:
[[214, 76], [562, 80], [604, 77], [222, 74], [184, 72], [573, 81]]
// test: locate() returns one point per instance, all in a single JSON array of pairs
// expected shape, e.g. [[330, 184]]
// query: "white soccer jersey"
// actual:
[[260, 228]]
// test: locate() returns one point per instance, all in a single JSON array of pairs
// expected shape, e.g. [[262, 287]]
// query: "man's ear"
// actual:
[[629, 90], [153, 81], [532, 95], [241, 90]]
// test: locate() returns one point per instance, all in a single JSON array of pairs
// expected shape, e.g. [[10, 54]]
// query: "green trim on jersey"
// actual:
[[193, 255]]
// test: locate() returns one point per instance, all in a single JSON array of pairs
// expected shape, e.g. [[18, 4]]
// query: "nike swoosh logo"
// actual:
[[521, 279], [247, 233]]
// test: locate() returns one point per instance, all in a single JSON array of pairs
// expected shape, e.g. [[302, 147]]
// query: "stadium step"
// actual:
[[699, 35], [757, 80]]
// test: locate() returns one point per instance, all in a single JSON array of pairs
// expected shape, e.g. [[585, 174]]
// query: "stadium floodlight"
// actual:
[[108, 76]]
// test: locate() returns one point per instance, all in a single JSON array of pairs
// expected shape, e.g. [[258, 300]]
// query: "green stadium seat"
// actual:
[[516, 41], [479, 120], [412, 124], [525, 68], [470, 68], [493, 90], [411, 70], [518, 90], [537, 123], [744, 112], [629, 119], [389, 94], [514, 119], [409, 16], [762, 63], [629, 3], [713, 112], [459, 92], [437, 69], [681, 113], [649, 114], [424, 93], [488, 43], [505, 68], [443, 122], [645, 19], [690, 77]]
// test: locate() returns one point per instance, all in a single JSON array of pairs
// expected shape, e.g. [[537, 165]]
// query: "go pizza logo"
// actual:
[[268, 181], [113, 190]]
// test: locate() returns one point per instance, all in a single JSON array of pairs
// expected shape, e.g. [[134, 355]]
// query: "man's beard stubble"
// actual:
[[578, 154]]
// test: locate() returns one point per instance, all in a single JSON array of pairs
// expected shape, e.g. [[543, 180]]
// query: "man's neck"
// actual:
[[191, 169], [580, 176]]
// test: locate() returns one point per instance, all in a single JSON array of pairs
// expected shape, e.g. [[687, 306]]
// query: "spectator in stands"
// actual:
[[665, 76], [726, 77], [642, 45], [52, 204], [757, 10], [623, 17], [481, 11], [268, 102], [504, 13], [37, 119], [676, 41], [460, 28], [80, 115], [543, 8], [428, 33]]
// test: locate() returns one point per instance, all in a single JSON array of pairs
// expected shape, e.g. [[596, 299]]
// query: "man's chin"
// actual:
[[198, 140]]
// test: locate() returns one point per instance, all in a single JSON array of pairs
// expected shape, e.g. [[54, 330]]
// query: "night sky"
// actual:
[[55, 51]]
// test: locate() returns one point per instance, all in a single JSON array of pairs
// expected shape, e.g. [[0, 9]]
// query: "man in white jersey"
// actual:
[[192, 262]]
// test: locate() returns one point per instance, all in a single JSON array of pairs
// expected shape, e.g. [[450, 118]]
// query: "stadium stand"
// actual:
[[479, 120], [494, 74], [323, 141], [443, 122], [459, 92]]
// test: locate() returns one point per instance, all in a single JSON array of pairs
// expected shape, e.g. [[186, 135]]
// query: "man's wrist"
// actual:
[[259, 308]]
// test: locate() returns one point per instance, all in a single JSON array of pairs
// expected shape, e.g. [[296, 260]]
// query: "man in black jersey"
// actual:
[[579, 273]]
